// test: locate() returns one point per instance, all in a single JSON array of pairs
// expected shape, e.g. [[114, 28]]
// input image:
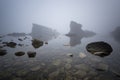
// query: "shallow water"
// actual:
[[53, 60]]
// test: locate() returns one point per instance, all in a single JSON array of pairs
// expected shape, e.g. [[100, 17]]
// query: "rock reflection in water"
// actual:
[[101, 48], [116, 34], [76, 33]]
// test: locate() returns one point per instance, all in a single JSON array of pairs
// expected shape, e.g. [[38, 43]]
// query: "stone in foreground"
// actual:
[[99, 48], [31, 54], [37, 43], [20, 53]]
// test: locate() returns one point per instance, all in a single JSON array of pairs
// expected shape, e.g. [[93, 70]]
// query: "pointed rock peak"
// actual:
[[73, 23]]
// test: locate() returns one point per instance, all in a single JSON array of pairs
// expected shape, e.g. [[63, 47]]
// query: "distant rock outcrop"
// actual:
[[17, 34], [116, 34], [43, 33], [76, 33]]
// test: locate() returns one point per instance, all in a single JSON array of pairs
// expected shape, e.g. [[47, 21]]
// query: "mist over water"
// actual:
[[97, 16], [59, 40]]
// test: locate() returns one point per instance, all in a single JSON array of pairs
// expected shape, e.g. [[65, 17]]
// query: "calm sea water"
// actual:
[[52, 61]]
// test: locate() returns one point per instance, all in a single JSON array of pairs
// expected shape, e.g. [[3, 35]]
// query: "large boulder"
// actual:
[[99, 48]]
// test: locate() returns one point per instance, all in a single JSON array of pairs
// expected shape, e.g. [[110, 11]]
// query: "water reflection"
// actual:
[[116, 34], [76, 33]]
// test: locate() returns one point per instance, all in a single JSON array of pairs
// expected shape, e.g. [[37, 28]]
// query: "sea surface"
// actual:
[[62, 58]]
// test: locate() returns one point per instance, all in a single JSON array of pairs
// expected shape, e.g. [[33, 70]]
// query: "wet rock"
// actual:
[[70, 54], [20, 39], [46, 42], [36, 68], [20, 45], [20, 53], [11, 44], [3, 52], [102, 67], [1, 46], [37, 43], [117, 73], [82, 55], [99, 48], [31, 54]]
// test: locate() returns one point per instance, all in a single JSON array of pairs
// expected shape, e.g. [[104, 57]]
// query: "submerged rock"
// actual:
[[20, 45], [36, 68], [102, 67], [82, 55], [11, 44], [31, 54], [3, 52], [37, 43], [20, 53], [99, 48], [81, 73], [56, 62], [46, 42]]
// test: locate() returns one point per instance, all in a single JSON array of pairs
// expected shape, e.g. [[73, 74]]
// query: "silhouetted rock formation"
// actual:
[[76, 33], [116, 34], [99, 48], [43, 33]]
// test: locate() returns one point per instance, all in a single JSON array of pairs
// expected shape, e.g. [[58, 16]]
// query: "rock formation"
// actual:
[[42, 33], [76, 33]]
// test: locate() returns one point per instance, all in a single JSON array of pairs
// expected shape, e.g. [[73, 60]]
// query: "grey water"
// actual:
[[53, 60]]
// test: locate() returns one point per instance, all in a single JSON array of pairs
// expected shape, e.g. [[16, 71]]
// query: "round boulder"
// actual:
[[99, 48]]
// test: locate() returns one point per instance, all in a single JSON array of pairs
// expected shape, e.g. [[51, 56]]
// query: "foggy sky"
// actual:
[[100, 16]]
